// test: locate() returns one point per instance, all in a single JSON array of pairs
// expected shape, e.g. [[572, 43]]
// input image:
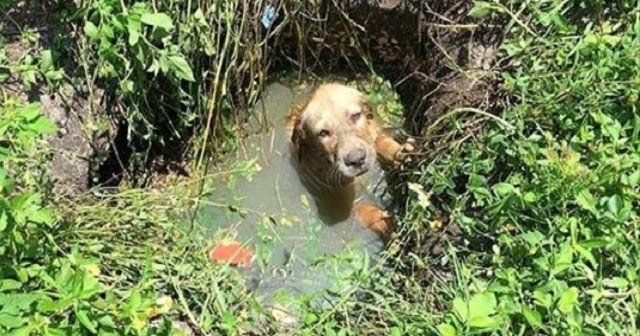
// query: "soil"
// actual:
[[69, 164]]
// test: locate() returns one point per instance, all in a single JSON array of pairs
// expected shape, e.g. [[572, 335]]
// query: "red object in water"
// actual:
[[231, 253]]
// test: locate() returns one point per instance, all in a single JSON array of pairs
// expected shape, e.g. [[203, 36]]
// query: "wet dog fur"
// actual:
[[335, 139]]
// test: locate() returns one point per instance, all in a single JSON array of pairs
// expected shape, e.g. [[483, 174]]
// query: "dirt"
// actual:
[[73, 148]]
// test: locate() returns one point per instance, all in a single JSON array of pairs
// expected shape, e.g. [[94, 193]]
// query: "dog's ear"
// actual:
[[294, 122], [297, 138], [297, 134], [367, 107]]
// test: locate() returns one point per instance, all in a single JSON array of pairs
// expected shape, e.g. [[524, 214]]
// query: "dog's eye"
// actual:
[[323, 133], [356, 116]]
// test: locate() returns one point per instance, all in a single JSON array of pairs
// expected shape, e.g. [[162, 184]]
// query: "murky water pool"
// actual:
[[271, 212]]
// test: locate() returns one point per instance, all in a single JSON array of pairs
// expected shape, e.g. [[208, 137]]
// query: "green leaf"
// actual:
[[530, 197], [594, 243], [49, 305], [134, 37], [55, 332], [107, 321], [164, 63], [616, 282], [41, 216], [568, 300], [310, 318], [134, 27], [30, 112], [614, 204], [16, 302], [586, 200], [107, 31], [4, 220], [586, 254], [11, 321], [483, 322], [24, 331], [43, 126], [395, 331], [46, 60], [481, 9], [182, 68], [90, 287], [85, 320], [91, 30], [446, 330], [534, 238], [54, 75], [157, 20], [542, 299], [504, 189], [461, 309], [483, 304], [564, 259], [199, 17], [9, 284], [532, 316], [634, 178]]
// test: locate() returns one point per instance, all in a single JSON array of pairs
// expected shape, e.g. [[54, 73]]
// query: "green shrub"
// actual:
[[546, 195], [116, 264], [176, 68], [549, 205]]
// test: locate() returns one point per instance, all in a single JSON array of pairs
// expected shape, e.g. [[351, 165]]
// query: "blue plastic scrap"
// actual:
[[269, 16]]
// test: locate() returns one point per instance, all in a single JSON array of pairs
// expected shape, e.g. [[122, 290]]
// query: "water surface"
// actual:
[[272, 212]]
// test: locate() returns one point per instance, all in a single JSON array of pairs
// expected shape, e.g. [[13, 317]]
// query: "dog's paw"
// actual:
[[375, 219], [406, 149]]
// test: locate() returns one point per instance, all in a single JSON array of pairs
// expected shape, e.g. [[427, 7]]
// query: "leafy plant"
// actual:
[[545, 195], [21, 208], [553, 198], [382, 95], [173, 67], [97, 267]]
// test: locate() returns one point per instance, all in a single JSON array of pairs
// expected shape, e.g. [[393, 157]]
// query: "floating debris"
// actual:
[[269, 16], [231, 253]]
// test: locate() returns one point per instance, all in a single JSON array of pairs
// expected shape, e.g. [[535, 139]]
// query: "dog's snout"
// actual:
[[355, 158]]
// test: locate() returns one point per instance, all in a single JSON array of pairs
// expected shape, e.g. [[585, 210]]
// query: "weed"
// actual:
[[117, 265], [382, 95], [175, 67], [548, 205], [546, 196]]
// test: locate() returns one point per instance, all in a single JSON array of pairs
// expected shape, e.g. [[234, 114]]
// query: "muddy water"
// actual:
[[298, 251]]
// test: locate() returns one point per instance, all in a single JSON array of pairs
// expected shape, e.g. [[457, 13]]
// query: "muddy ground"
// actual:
[[74, 145]]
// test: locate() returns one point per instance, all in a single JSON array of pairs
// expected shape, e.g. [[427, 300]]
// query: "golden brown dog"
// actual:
[[335, 140]]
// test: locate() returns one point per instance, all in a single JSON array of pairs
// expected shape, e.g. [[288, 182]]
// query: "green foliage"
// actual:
[[21, 197], [546, 196], [31, 68], [554, 199], [174, 66], [382, 95], [110, 267], [41, 291]]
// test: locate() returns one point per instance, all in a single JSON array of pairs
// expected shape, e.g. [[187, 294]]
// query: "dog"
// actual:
[[335, 140]]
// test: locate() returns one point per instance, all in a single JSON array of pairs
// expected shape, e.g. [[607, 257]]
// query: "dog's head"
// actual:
[[331, 132]]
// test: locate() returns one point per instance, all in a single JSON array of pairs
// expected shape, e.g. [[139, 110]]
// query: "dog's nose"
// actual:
[[355, 158]]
